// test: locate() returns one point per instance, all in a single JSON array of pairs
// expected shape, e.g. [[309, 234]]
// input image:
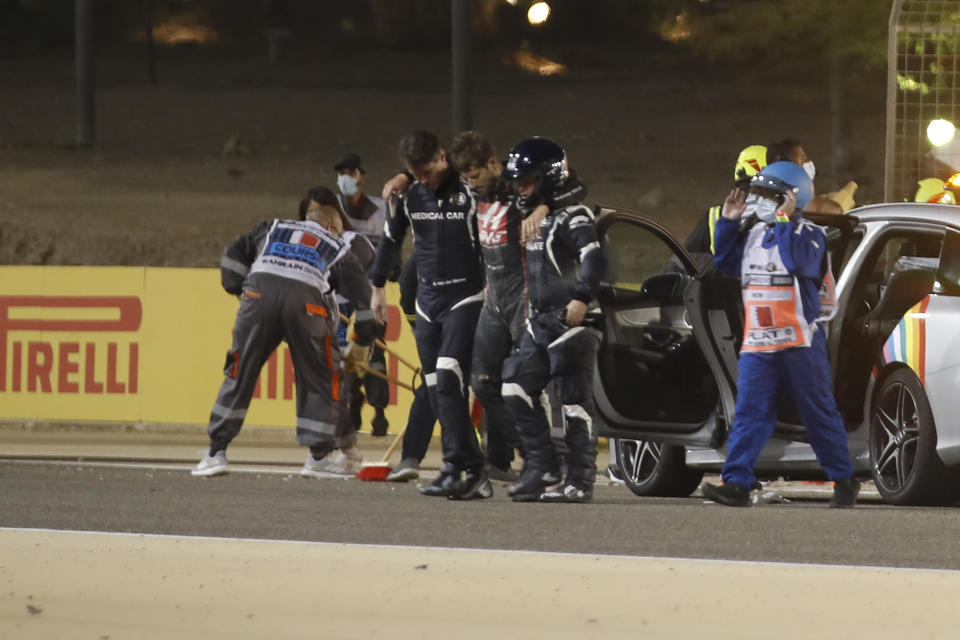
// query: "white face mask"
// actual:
[[810, 168], [347, 184], [763, 208]]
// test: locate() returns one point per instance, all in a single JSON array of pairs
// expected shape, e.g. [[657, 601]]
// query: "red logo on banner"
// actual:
[[48, 367]]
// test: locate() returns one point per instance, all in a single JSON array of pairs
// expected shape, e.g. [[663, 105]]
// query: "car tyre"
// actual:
[[654, 469], [903, 444]]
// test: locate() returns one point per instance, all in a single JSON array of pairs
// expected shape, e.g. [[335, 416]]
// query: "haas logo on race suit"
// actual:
[[492, 223]]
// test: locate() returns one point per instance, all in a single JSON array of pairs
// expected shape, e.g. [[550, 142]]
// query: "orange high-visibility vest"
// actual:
[[773, 308]]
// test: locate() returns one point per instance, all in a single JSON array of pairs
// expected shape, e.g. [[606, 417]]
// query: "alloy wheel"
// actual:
[[639, 458], [896, 425]]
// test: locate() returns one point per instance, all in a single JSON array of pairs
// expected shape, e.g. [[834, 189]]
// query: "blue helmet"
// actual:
[[786, 176], [537, 157]]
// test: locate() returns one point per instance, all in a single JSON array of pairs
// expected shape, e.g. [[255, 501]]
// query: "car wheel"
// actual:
[[903, 441], [654, 469]]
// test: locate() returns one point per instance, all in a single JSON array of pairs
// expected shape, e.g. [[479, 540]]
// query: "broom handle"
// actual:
[[393, 445], [362, 368], [382, 345]]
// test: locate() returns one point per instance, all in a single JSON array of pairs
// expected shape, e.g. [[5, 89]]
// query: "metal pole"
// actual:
[[891, 145], [151, 58], [460, 50], [84, 72]]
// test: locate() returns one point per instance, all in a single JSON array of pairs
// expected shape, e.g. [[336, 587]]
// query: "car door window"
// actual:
[[897, 271], [635, 254], [948, 268], [650, 364]]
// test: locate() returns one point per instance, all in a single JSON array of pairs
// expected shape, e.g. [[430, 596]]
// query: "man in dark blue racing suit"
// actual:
[[564, 265], [442, 210]]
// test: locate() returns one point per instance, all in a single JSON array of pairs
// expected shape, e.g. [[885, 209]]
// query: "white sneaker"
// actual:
[[215, 465], [352, 454], [334, 463]]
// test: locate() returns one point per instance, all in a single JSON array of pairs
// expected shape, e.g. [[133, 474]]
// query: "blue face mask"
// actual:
[[763, 208], [347, 185]]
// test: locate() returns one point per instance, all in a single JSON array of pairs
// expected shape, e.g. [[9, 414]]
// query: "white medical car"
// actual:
[[667, 369]]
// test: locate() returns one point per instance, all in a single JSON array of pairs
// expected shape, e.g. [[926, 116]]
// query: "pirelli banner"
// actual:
[[136, 344]]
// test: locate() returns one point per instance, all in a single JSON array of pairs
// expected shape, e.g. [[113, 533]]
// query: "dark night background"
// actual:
[[652, 100]]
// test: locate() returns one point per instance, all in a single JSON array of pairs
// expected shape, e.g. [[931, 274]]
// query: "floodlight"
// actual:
[[940, 132], [538, 13]]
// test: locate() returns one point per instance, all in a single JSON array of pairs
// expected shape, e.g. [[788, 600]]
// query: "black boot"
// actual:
[[845, 493], [474, 486], [531, 484], [446, 484], [380, 423], [732, 495]]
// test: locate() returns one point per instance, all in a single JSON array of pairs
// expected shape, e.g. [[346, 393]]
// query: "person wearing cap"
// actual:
[[285, 272], [367, 215], [782, 264]]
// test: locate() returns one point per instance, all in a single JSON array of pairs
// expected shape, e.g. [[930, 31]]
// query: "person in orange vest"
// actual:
[[781, 261]]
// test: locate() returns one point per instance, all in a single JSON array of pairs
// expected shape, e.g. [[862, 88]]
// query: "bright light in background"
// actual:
[[537, 64], [677, 29], [538, 13], [512, 3], [940, 132], [954, 181], [183, 28]]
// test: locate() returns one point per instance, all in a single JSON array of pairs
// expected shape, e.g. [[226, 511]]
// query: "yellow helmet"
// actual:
[[750, 162], [934, 190]]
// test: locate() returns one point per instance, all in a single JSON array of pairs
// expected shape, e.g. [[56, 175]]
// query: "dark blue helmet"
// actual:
[[537, 157]]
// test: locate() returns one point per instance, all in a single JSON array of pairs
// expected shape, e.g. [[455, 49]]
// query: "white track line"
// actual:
[[556, 554], [291, 471]]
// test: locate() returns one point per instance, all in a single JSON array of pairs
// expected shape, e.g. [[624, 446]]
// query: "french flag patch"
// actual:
[[305, 239]]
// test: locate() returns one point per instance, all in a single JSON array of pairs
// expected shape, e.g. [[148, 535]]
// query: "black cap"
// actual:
[[348, 162]]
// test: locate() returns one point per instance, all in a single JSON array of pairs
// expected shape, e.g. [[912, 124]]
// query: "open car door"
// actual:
[[666, 369]]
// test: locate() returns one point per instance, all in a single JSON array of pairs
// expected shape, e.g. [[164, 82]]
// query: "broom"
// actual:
[[378, 471]]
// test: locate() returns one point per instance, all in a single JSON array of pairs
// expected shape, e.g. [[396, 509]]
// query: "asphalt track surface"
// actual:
[[277, 505], [111, 550]]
